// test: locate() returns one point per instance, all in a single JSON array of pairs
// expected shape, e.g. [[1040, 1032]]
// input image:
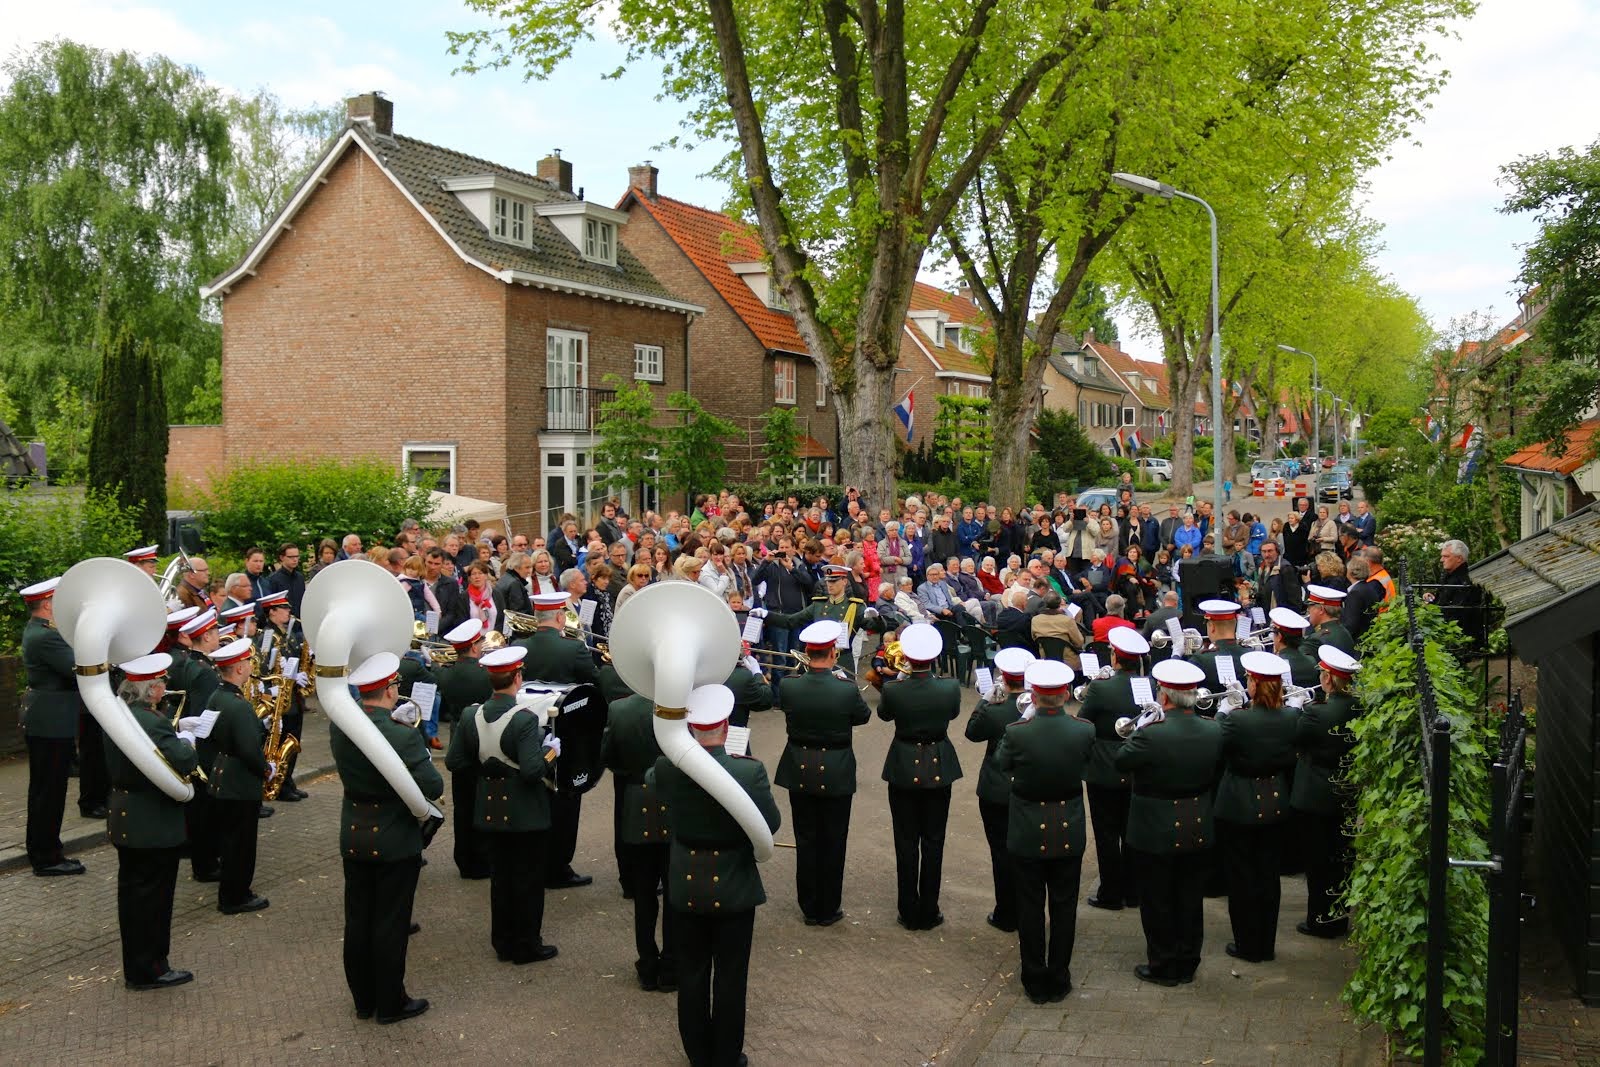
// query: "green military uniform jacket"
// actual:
[[139, 815], [412, 671], [554, 658], [1046, 757], [1174, 764], [375, 826], [1257, 753], [1324, 741], [238, 766], [510, 799], [988, 724], [1303, 670], [461, 685], [1207, 662], [921, 708], [193, 673], [712, 866], [290, 646], [1332, 633], [628, 749], [612, 687], [849, 612], [820, 711], [52, 700], [750, 692], [1106, 701]]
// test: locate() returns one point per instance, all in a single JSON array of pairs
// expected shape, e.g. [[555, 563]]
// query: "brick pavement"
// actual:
[[270, 984]]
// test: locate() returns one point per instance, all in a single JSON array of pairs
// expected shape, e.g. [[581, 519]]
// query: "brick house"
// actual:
[[448, 313], [939, 355], [747, 356], [1077, 381], [1148, 405]]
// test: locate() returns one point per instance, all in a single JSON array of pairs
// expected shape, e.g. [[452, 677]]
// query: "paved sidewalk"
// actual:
[[270, 986]]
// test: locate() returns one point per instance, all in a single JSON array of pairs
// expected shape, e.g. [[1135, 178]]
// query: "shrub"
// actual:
[[293, 500], [756, 494]]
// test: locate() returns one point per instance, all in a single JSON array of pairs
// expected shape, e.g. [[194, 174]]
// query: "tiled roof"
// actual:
[[1544, 579], [811, 448], [956, 309], [712, 241], [1153, 397], [1581, 449]]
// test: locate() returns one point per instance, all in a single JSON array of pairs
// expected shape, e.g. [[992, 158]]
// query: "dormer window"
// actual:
[[599, 241], [963, 338], [510, 220], [593, 230], [775, 298], [938, 332], [760, 281]]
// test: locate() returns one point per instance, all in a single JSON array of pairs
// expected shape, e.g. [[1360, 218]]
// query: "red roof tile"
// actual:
[[811, 448], [1580, 450], [712, 241], [956, 309], [1154, 395]]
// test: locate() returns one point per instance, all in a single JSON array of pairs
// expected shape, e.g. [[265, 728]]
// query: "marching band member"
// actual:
[[818, 768], [462, 685], [1174, 764], [1045, 756], [192, 673], [555, 657], [850, 612], [1288, 631], [628, 749], [996, 711], [240, 620], [51, 710], [1107, 700], [290, 643], [381, 843], [517, 764], [1222, 621], [1321, 797], [145, 559], [175, 620], [713, 885], [1253, 806], [1323, 606], [237, 773], [920, 767], [146, 826]]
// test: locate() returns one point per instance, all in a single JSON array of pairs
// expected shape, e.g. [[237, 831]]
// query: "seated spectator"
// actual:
[[1014, 626], [992, 583], [1053, 621], [1115, 607]]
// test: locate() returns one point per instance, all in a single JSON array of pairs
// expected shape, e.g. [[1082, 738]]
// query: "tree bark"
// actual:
[[866, 441]]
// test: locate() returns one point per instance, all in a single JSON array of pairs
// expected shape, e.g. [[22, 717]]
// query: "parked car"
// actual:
[[1091, 499], [1327, 463], [1257, 466], [1333, 486], [1155, 469]]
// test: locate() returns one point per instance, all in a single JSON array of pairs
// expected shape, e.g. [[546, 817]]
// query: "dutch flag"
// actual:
[[904, 411]]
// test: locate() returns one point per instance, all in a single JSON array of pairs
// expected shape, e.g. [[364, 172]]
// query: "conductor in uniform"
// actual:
[[818, 768], [555, 657], [516, 766], [713, 886], [1174, 763], [1104, 702], [1322, 799], [920, 767], [837, 604], [51, 706], [996, 711], [1045, 756], [464, 684], [381, 843]]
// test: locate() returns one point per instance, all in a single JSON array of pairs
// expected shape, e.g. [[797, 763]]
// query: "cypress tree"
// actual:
[[128, 441]]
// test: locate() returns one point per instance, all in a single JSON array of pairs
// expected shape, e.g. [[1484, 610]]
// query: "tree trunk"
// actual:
[[1013, 402], [866, 441], [1183, 375]]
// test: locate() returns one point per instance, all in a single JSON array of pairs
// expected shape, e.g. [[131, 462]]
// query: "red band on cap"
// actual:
[[708, 727], [373, 687]]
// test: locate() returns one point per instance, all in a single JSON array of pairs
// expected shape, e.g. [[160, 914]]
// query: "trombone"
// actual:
[[792, 659], [1229, 700]]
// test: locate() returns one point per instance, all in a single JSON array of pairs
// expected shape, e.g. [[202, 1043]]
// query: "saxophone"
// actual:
[[280, 748]]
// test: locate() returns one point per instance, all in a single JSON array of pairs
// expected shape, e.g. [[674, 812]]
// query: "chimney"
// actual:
[[964, 291], [1088, 336], [372, 109], [556, 171], [643, 178]]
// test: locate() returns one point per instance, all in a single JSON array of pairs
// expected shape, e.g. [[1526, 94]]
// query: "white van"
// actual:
[[1155, 469]]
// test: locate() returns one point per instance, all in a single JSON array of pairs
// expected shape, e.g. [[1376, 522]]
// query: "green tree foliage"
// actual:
[[65, 433], [1388, 890], [693, 458], [269, 503], [205, 403], [1063, 458], [42, 533], [273, 148], [1562, 191], [628, 443], [128, 441], [963, 438], [780, 446]]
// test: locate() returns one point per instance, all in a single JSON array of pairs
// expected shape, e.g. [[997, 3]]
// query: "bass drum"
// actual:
[[578, 719]]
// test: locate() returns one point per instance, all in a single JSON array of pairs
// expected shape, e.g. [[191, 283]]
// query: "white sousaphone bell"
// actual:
[[110, 611], [355, 609], [668, 640]]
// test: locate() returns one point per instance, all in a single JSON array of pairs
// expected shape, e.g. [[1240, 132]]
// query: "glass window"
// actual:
[[519, 222], [822, 390], [647, 362], [501, 217], [599, 241], [783, 380], [566, 376], [437, 461]]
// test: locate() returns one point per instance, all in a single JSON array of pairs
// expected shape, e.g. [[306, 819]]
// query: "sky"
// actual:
[[1523, 81]]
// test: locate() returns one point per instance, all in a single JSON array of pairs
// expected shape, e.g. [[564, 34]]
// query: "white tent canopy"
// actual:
[[461, 508]]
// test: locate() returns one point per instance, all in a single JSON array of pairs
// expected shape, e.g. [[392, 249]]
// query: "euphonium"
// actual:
[[521, 622], [280, 748]]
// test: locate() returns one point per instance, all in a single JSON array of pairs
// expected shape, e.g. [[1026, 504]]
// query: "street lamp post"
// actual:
[[1151, 187], [1336, 403], [1316, 412]]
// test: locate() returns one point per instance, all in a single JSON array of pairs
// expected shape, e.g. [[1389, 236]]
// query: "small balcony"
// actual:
[[573, 408]]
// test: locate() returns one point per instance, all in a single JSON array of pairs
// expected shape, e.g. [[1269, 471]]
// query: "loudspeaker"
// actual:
[[1203, 579]]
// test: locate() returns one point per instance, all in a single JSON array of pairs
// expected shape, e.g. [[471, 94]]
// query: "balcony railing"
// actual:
[[574, 408]]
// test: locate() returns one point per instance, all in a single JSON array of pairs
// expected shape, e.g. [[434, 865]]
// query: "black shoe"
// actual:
[[288, 797], [936, 921], [1103, 905], [363, 1013], [208, 876], [1326, 931], [570, 880], [1062, 992], [409, 1010], [540, 954], [649, 975], [165, 981], [1130, 902], [1038, 996], [627, 894], [416, 928], [300, 794], [1005, 928], [1238, 954], [1144, 973], [255, 902], [668, 981], [96, 812], [906, 923], [264, 812], [829, 920], [58, 870]]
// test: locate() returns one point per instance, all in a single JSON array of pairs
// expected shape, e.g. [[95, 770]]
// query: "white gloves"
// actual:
[[186, 736], [272, 768], [1029, 711], [406, 713], [302, 679], [841, 675], [758, 613], [187, 724], [553, 743]]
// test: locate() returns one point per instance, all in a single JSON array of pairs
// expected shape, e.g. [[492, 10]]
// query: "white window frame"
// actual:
[[519, 222], [567, 411], [963, 339], [822, 389], [599, 241], [938, 333], [500, 216], [1128, 417], [775, 298], [642, 357], [410, 447], [784, 382]]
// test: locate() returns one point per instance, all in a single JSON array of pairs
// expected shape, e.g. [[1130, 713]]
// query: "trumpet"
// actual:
[[1149, 714], [1193, 641], [1229, 700], [1079, 692], [1261, 640], [1295, 696], [520, 622], [442, 652]]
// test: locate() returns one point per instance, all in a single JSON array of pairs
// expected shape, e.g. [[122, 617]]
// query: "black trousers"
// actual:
[[1326, 849], [199, 816], [565, 807], [1001, 864], [1047, 965], [618, 846], [235, 823], [48, 761], [516, 893], [821, 837], [147, 879], [471, 844], [647, 866], [1172, 900], [94, 780], [919, 817], [377, 927], [1108, 814], [1250, 859], [713, 968]]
